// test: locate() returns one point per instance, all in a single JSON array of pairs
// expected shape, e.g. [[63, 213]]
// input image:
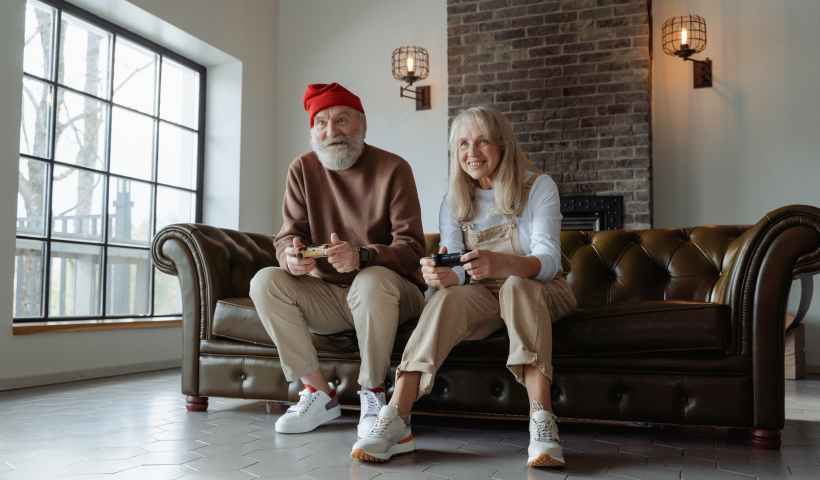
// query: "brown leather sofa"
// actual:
[[680, 326]]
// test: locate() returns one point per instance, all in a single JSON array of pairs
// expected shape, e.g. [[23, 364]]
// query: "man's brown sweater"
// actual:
[[373, 204]]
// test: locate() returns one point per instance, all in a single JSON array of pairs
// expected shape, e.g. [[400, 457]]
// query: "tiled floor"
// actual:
[[136, 427]]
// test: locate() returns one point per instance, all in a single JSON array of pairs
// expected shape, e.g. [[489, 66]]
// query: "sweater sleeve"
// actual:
[[451, 236], [545, 240], [294, 214], [407, 244]]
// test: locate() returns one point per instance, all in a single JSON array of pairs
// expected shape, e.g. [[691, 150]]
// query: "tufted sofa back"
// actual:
[[621, 266], [624, 266]]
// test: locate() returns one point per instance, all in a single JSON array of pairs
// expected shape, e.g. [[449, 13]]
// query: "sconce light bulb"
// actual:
[[410, 64], [684, 37]]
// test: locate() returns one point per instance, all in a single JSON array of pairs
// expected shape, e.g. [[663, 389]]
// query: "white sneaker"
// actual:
[[545, 444], [312, 410], [389, 436], [371, 403]]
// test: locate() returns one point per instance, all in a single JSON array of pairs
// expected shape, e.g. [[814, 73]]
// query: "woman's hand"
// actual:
[[481, 264], [437, 277]]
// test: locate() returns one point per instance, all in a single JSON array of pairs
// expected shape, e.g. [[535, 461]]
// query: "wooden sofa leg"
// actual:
[[765, 439], [196, 404]]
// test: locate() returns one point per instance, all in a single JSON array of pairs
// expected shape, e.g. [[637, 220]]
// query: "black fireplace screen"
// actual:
[[592, 212]]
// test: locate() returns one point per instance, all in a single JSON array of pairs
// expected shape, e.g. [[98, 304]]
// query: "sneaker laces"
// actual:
[[371, 404], [546, 431], [306, 399], [379, 427]]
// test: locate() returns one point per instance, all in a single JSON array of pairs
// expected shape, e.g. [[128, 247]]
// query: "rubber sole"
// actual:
[[328, 416], [545, 460], [406, 445]]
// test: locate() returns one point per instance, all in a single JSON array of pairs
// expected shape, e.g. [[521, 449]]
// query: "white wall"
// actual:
[[351, 42], [236, 41], [239, 178], [750, 144]]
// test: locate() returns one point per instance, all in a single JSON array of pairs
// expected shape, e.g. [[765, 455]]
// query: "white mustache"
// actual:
[[342, 140]]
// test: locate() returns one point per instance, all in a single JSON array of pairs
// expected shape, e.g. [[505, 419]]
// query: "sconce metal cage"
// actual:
[[421, 64], [695, 26]]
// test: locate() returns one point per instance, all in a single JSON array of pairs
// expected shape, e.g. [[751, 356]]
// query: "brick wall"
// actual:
[[574, 78]]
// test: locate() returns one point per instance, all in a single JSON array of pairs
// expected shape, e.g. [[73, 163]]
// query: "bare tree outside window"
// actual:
[[103, 112]]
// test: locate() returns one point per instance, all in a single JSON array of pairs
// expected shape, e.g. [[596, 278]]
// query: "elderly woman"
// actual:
[[507, 220]]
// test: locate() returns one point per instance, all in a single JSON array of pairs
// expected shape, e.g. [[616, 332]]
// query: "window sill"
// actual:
[[93, 326]]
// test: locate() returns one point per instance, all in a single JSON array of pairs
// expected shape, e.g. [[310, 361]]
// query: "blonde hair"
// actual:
[[508, 183]]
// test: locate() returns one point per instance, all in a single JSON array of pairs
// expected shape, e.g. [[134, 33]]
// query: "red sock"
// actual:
[[377, 390], [312, 389]]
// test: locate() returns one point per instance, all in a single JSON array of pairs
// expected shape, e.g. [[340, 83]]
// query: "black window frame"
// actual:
[[105, 243]]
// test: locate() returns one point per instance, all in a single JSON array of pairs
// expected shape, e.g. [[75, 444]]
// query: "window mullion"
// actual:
[[200, 161], [155, 178], [107, 176], [52, 148]]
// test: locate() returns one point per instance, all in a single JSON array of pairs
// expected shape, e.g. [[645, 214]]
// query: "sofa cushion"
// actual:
[[643, 328], [624, 329], [236, 319]]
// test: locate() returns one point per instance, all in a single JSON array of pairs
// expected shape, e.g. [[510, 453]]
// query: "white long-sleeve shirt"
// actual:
[[539, 226]]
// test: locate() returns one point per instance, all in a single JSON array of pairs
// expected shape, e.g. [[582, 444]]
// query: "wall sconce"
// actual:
[[411, 64], [683, 37]]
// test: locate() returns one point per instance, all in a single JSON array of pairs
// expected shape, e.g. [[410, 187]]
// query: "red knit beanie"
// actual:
[[319, 96]]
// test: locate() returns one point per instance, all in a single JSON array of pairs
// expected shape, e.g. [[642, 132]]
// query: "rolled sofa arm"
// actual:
[[758, 271], [211, 263]]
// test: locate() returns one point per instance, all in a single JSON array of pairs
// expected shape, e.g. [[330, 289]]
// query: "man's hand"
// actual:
[[297, 265], [437, 277], [481, 264], [342, 255]]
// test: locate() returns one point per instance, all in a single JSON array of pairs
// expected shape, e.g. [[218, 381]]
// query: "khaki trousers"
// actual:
[[472, 312], [291, 308]]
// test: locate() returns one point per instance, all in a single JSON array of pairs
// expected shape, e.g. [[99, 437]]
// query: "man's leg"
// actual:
[[379, 300], [290, 308]]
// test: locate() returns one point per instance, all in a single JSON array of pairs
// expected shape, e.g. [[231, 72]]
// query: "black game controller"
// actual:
[[447, 259]]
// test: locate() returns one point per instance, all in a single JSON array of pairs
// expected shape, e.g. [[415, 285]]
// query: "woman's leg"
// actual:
[[452, 314], [538, 389], [405, 392], [529, 308]]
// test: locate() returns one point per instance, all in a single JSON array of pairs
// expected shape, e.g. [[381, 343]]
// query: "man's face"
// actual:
[[337, 136]]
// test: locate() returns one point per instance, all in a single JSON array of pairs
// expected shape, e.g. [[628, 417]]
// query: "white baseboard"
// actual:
[[73, 376]]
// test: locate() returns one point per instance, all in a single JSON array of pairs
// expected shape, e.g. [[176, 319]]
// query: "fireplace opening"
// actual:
[[592, 212]]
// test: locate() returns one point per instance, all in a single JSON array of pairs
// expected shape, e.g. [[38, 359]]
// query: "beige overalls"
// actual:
[[525, 306]]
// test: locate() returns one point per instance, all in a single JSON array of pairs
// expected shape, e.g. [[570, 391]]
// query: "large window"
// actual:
[[111, 142]]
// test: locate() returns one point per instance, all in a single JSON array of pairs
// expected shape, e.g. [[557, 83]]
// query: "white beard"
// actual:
[[338, 157]]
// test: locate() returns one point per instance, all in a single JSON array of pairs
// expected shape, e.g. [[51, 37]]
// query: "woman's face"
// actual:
[[477, 156]]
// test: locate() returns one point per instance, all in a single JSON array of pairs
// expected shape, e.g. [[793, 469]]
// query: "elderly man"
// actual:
[[362, 202]]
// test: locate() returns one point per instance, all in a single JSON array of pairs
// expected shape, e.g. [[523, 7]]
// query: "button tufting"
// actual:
[[440, 387], [556, 392], [497, 390]]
